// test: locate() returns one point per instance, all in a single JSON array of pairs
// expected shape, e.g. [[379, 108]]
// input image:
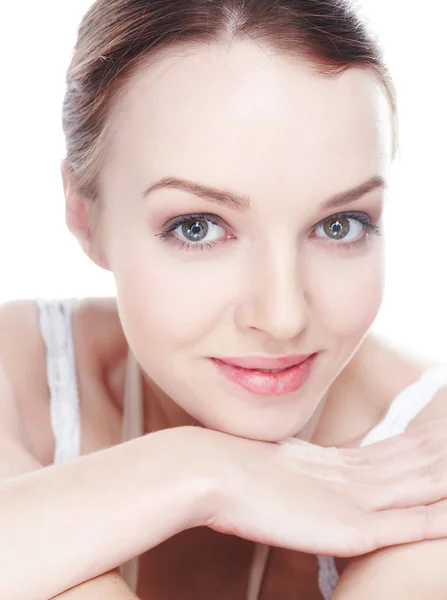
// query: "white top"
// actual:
[[55, 322]]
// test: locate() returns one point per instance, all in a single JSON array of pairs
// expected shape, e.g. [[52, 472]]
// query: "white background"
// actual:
[[38, 256]]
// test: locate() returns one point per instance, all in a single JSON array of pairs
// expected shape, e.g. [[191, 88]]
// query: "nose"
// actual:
[[275, 300]]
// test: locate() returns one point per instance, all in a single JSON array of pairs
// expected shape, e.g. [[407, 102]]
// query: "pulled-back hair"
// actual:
[[116, 37]]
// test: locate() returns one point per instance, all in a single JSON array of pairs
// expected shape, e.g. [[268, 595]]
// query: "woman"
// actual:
[[227, 161]]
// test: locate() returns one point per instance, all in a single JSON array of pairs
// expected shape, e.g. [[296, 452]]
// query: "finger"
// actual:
[[407, 441], [417, 488], [436, 521], [422, 454], [400, 526], [368, 532], [419, 479], [403, 526]]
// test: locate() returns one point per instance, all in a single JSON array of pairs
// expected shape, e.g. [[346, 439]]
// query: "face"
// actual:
[[242, 199]]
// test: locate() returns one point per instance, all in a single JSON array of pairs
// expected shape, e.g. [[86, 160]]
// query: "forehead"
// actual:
[[239, 114]]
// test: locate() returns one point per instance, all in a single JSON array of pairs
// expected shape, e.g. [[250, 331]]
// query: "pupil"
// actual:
[[195, 230], [337, 229]]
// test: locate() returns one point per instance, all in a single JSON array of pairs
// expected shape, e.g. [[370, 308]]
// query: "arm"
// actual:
[[93, 514], [15, 459], [97, 512], [109, 585], [411, 571]]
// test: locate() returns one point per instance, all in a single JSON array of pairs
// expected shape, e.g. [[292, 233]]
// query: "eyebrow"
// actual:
[[371, 184], [239, 202], [223, 197]]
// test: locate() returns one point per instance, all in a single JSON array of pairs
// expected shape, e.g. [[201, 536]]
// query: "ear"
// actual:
[[80, 216]]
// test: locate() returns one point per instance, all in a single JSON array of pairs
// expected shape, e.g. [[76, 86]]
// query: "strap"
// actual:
[[257, 571], [407, 405], [55, 325], [133, 427]]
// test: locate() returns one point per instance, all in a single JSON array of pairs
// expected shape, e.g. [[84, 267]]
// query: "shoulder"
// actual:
[[396, 570], [22, 349], [389, 369], [366, 388], [23, 358], [98, 342]]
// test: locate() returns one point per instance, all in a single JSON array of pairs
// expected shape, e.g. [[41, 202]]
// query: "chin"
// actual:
[[263, 430]]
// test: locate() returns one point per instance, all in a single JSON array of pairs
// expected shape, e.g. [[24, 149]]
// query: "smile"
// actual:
[[266, 376]]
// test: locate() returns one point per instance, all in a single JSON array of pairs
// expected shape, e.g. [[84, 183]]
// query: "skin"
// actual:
[[180, 306], [273, 131]]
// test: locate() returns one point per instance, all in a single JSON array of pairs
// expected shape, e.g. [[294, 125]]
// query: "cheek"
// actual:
[[347, 294], [169, 301]]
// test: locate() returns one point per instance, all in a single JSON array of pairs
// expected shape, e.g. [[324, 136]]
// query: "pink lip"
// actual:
[[270, 363], [248, 373]]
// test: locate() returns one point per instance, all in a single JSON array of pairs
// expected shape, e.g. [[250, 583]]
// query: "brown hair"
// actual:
[[116, 36]]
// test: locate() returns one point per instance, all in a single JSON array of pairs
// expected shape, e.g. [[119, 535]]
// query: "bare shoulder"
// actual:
[[23, 357], [387, 368], [99, 344], [395, 571], [366, 387]]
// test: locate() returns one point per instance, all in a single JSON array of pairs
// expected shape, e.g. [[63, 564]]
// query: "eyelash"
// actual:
[[168, 234], [363, 218]]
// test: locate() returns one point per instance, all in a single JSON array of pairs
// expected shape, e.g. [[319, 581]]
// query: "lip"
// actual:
[[249, 373], [265, 362]]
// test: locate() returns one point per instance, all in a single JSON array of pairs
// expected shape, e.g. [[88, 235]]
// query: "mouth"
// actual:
[[267, 376]]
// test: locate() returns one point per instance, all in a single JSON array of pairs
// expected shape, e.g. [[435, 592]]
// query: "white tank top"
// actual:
[[55, 323]]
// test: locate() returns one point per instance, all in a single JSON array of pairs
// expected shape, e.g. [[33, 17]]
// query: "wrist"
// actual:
[[192, 482]]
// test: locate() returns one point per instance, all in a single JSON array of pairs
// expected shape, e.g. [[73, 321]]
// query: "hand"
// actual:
[[342, 502]]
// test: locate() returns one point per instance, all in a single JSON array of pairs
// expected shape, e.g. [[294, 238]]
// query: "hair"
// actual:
[[116, 38]]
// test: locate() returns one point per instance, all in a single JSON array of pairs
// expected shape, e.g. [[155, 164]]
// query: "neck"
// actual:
[[160, 411]]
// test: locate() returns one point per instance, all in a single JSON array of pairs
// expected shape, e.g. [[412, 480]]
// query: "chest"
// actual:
[[201, 564]]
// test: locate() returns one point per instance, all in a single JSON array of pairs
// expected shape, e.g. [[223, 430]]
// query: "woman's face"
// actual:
[[242, 196]]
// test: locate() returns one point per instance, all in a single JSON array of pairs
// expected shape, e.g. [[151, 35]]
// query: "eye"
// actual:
[[345, 227], [199, 230], [196, 232]]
